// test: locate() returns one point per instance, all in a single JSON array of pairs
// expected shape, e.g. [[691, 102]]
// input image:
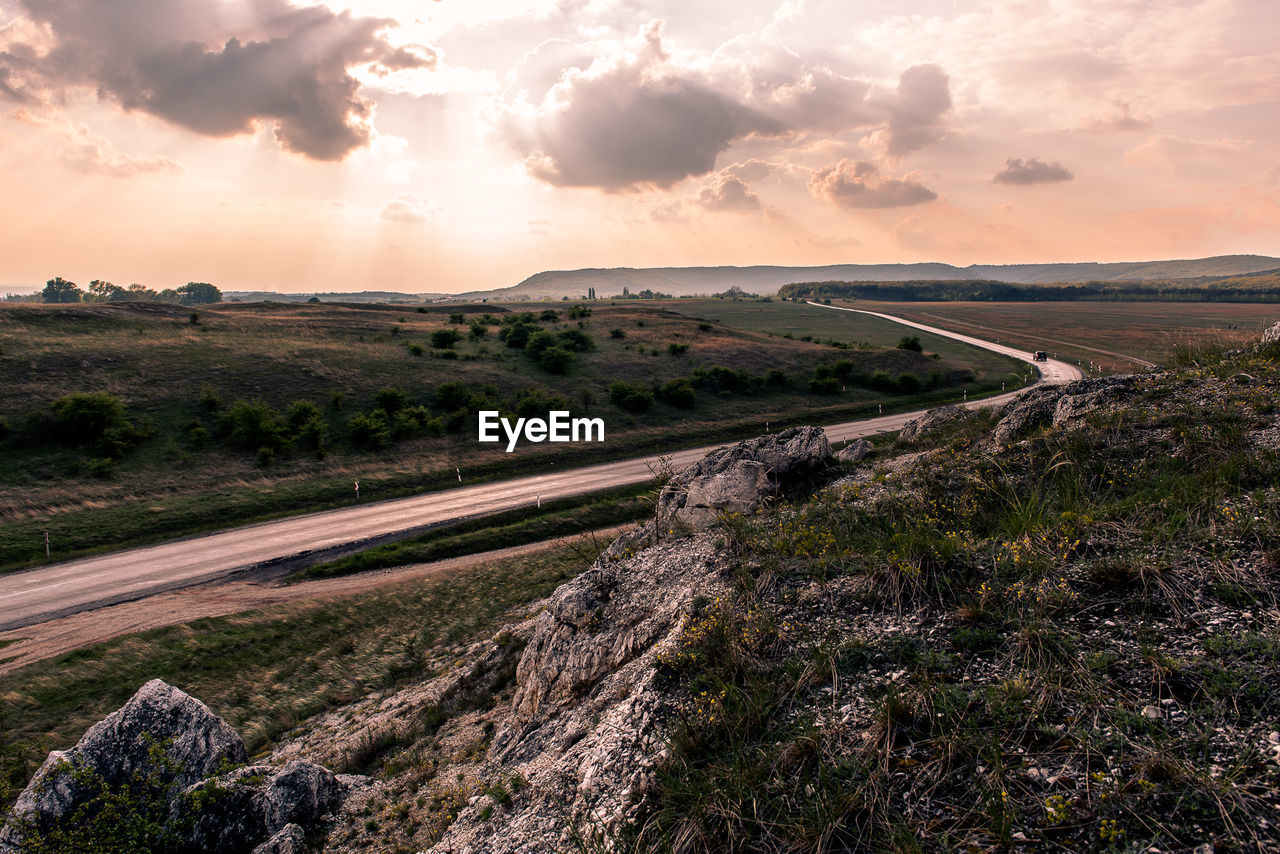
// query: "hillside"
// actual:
[[688, 281], [1052, 627]]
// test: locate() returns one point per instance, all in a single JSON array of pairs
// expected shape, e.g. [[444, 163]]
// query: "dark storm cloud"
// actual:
[[857, 185], [1033, 171], [217, 69]]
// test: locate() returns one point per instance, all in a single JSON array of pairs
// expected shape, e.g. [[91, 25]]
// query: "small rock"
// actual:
[[1151, 713]]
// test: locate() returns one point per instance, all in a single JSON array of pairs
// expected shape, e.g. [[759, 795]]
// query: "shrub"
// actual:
[[209, 400], [5, 428], [307, 425], [479, 330], [415, 421], [677, 349], [369, 430], [516, 335], [457, 318], [704, 327], [912, 343], [392, 399], [444, 339], [678, 393], [266, 456], [576, 340], [82, 418], [630, 396], [824, 385], [617, 334], [549, 315], [254, 424], [103, 468], [556, 360], [415, 349], [909, 383], [540, 341], [539, 400], [454, 395]]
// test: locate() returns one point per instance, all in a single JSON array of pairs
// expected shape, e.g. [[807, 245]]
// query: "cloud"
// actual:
[[410, 209], [728, 193], [216, 70], [915, 114], [635, 114], [1122, 119], [858, 185], [1164, 151], [1033, 171], [629, 120], [87, 152]]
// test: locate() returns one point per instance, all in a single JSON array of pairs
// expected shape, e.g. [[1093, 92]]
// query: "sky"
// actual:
[[452, 145]]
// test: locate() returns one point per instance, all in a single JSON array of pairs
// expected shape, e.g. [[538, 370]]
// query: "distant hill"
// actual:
[[687, 281]]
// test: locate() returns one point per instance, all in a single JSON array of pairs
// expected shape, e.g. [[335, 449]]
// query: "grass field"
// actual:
[[184, 467], [266, 671], [1118, 336]]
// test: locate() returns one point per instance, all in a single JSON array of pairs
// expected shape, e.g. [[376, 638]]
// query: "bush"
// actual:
[[83, 418], [617, 334], [630, 396], [415, 421], [369, 430], [678, 393], [253, 425], [103, 468], [675, 349], [909, 383], [266, 456], [556, 360], [454, 395], [5, 428], [540, 341], [549, 315], [415, 349], [824, 385], [912, 343], [209, 400], [704, 327], [516, 335], [576, 340], [776, 378], [539, 400], [479, 330], [391, 399], [307, 425], [444, 339], [457, 318]]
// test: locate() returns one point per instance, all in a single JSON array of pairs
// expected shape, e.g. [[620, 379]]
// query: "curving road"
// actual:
[[36, 595]]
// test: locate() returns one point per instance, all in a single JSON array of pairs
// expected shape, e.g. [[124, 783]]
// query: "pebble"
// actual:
[[1151, 713]]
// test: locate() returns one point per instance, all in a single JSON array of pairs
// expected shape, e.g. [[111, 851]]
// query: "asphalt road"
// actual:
[[36, 595]]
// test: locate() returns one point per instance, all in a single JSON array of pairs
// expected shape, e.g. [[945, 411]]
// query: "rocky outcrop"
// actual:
[[182, 750], [741, 477], [856, 451], [586, 723], [256, 802], [929, 422], [160, 730], [1059, 406], [1271, 336]]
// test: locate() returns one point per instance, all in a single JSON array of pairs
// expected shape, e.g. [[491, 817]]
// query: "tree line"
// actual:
[[964, 290], [60, 290]]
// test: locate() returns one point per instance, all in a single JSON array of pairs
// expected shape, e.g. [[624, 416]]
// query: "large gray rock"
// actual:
[[289, 840], [1060, 405], [255, 803], [741, 477], [1271, 335], [928, 422], [193, 741], [856, 451]]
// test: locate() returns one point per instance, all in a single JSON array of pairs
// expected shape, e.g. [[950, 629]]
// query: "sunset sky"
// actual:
[[465, 144]]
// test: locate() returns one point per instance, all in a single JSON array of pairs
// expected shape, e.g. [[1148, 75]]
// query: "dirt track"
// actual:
[[216, 599]]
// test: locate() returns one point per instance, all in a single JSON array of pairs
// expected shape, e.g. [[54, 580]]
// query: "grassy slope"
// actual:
[[158, 362], [265, 671], [1070, 645]]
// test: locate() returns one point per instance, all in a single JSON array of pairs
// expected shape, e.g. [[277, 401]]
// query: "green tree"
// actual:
[[198, 293], [911, 342], [556, 360], [444, 339], [59, 289], [103, 291]]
